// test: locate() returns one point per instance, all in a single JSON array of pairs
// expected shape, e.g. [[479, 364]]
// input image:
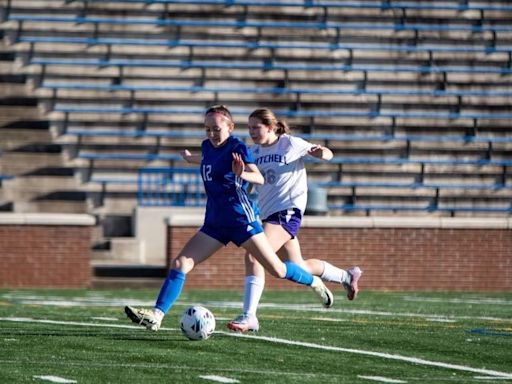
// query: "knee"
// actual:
[[182, 263]]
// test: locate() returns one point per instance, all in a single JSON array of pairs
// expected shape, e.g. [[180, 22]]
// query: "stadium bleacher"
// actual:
[[414, 99]]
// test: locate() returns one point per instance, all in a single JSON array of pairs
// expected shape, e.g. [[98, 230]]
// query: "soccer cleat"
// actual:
[[322, 292], [244, 323], [352, 288], [144, 317]]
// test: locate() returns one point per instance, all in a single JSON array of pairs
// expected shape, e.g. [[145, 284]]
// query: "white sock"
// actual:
[[253, 289], [158, 314], [334, 274]]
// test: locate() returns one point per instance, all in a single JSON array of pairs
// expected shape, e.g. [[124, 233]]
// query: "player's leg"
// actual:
[[254, 281], [198, 248], [347, 278], [259, 246], [254, 271]]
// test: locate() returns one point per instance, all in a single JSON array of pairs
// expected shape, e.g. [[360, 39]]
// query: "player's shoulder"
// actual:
[[295, 141], [235, 141]]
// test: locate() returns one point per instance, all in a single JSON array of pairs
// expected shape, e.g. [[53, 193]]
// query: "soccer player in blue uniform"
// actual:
[[227, 168]]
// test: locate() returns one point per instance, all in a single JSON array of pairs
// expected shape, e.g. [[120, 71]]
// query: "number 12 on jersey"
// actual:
[[207, 172]]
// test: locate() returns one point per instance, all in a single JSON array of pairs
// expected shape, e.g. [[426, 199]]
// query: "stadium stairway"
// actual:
[[35, 175], [40, 180]]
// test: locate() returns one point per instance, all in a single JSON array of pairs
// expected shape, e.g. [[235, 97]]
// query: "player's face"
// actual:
[[218, 128], [260, 133]]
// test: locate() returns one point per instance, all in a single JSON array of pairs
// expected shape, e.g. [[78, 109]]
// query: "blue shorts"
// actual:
[[289, 219], [237, 235]]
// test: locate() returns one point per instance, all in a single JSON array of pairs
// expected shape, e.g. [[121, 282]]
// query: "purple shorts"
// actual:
[[289, 219]]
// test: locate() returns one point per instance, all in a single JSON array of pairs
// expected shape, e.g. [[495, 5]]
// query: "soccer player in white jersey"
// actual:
[[282, 201]]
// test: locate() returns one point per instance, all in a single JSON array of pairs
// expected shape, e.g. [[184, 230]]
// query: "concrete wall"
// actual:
[[45, 250], [399, 254], [150, 225]]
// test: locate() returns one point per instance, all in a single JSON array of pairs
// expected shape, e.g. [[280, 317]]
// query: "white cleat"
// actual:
[[244, 323], [143, 317], [322, 292]]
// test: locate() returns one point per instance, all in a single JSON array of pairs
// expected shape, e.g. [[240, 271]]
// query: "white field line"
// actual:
[[382, 379], [105, 318], [483, 301], [79, 323], [440, 320], [413, 360], [490, 378], [167, 367], [55, 379], [111, 302], [219, 379]]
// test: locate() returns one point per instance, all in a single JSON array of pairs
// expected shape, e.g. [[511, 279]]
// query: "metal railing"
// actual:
[[166, 187]]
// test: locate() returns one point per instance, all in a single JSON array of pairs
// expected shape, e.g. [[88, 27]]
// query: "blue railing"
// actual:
[[166, 187]]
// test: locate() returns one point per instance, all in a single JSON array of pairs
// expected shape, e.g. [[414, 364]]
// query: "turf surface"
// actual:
[[83, 336]]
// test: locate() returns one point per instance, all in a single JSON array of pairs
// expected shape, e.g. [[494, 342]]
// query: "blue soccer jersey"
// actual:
[[228, 203]]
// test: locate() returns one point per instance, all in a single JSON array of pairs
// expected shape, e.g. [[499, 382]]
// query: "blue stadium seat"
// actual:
[[325, 137], [458, 6], [270, 65], [358, 91], [4, 177], [413, 185], [252, 45], [289, 113], [427, 161], [128, 156], [414, 208], [175, 22]]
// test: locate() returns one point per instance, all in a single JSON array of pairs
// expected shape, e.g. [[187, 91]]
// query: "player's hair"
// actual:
[[267, 117], [222, 109]]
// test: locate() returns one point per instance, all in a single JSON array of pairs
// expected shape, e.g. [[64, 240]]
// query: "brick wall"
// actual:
[[455, 259], [45, 256]]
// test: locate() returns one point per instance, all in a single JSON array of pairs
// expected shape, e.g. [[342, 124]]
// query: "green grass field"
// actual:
[[64, 336]]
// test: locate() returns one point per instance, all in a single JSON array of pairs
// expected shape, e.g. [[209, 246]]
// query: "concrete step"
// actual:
[[14, 138], [16, 163], [14, 90], [125, 282], [12, 113], [42, 184], [50, 207], [123, 251], [114, 276], [116, 206]]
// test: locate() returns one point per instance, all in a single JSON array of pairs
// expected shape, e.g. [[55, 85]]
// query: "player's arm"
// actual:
[[320, 152], [248, 172], [190, 158]]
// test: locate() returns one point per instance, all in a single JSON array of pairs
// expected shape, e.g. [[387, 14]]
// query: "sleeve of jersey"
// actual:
[[246, 154], [300, 146]]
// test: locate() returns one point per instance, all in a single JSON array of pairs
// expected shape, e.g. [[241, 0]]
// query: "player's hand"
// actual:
[[185, 154], [237, 165], [316, 151]]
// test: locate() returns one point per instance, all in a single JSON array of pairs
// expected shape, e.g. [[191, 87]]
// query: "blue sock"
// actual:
[[297, 274], [171, 289]]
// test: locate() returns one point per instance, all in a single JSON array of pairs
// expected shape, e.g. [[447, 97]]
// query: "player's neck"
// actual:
[[270, 141]]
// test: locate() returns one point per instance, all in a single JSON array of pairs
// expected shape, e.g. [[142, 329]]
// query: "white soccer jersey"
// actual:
[[282, 165]]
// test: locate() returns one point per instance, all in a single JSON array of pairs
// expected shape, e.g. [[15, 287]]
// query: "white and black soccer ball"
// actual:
[[197, 323]]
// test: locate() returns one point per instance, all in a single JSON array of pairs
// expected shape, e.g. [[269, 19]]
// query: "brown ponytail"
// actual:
[[267, 117]]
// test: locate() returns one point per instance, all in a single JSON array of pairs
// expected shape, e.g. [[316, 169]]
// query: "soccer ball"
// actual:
[[197, 323]]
